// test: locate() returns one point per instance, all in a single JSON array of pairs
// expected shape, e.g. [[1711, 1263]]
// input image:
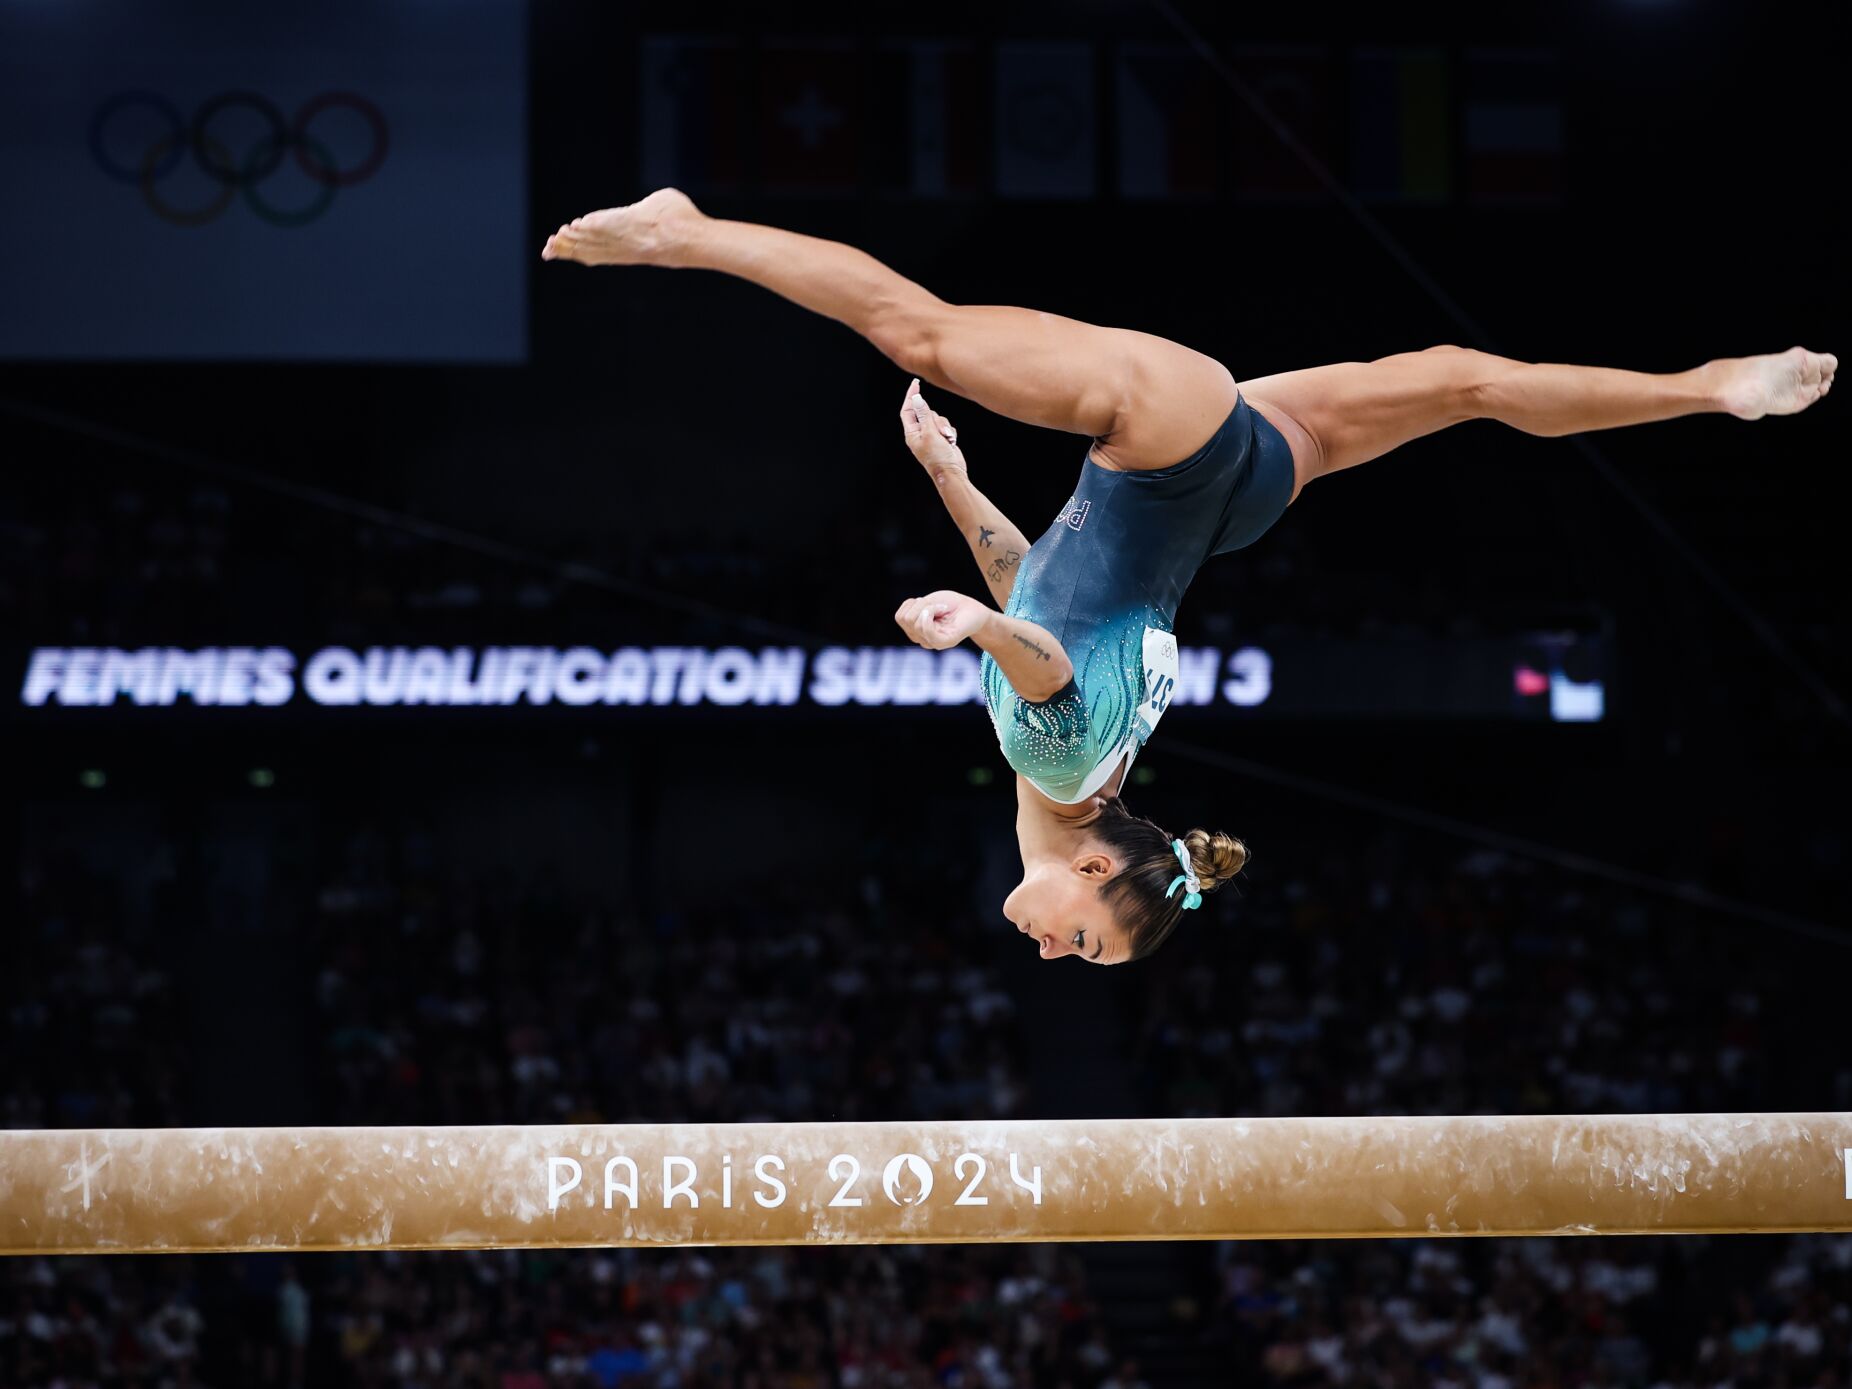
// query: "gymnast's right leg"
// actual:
[[1147, 402]]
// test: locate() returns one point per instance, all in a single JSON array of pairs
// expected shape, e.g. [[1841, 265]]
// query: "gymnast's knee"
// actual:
[[1475, 380], [1495, 389], [910, 335]]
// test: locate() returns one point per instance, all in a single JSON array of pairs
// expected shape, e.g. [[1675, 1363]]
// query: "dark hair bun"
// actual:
[[1215, 857]]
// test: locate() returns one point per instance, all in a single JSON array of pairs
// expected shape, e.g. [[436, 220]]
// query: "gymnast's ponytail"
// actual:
[[1216, 857], [1146, 895]]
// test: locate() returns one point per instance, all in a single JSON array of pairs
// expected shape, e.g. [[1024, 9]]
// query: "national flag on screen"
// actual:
[[810, 117], [1171, 141], [1296, 84], [1514, 126], [692, 125], [929, 114], [1401, 126], [1044, 119]]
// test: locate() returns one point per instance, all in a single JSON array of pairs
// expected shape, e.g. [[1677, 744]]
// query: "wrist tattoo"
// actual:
[[983, 535], [1002, 565], [1033, 645]]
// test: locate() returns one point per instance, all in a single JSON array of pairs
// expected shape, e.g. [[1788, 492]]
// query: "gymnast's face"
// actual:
[[1057, 904]]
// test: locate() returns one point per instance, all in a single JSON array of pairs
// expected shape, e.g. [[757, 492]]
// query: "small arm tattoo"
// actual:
[[983, 535], [1034, 646], [1003, 564]]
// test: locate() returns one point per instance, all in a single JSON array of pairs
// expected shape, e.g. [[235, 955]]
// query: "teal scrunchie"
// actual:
[[1193, 897]]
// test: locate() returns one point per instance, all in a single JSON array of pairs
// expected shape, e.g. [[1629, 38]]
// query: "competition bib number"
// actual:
[[1160, 678]]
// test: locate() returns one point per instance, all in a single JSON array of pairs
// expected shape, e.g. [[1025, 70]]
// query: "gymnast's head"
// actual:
[[1114, 886]]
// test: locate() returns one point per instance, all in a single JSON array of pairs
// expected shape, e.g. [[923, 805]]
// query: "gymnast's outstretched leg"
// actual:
[[1338, 416], [1147, 402]]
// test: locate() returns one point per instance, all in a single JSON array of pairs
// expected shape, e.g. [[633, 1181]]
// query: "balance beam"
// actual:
[[206, 1190]]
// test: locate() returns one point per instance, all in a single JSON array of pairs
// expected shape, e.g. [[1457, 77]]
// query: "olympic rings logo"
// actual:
[[235, 175]]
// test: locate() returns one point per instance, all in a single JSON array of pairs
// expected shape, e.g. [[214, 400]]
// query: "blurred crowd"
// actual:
[[93, 1032], [440, 1003], [1389, 981], [119, 564], [1508, 1314], [445, 1001], [984, 1317], [1405, 978]]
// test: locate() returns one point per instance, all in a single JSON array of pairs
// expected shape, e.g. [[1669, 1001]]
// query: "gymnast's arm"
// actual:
[[996, 544], [1028, 655]]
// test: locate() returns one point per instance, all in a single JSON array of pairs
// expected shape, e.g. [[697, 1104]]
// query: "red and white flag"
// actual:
[[810, 126]]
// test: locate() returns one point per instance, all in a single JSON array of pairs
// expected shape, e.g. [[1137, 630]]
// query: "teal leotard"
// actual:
[[1106, 579]]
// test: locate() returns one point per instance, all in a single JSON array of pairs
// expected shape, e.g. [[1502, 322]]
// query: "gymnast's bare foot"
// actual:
[[1782, 383], [650, 232]]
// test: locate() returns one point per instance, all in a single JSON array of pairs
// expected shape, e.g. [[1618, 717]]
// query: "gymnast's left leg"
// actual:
[[1336, 417], [1146, 402]]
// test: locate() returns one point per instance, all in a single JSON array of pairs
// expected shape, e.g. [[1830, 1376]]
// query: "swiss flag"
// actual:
[[810, 117]]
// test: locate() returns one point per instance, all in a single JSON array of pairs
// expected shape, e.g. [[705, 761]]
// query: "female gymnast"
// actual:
[[1079, 663]]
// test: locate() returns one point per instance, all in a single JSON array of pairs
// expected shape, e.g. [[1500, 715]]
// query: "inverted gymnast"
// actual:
[[1080, 662]]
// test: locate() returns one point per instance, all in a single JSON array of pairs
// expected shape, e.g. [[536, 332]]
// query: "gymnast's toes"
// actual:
[[1781, 383]]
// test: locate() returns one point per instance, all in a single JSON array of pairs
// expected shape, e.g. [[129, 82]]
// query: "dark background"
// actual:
[[680, 437]]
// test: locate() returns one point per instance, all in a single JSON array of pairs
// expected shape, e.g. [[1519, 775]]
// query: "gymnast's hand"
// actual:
[[931, 436], [941, 620]]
